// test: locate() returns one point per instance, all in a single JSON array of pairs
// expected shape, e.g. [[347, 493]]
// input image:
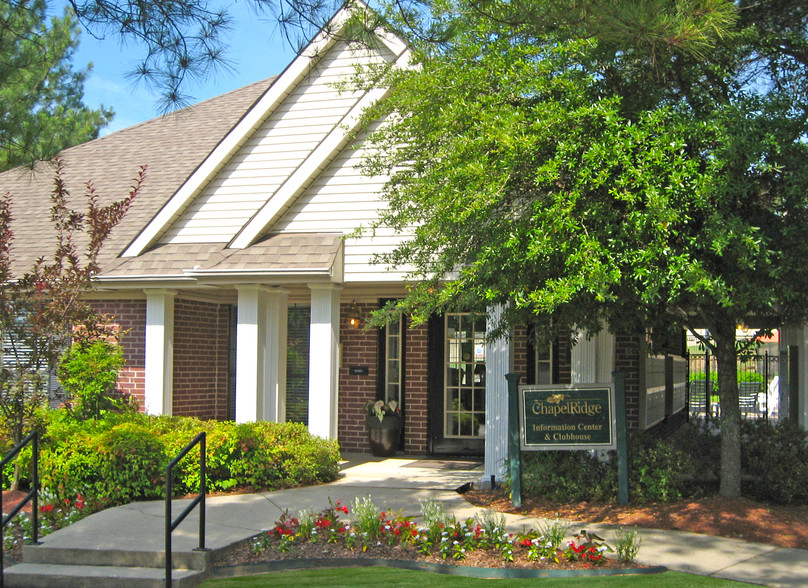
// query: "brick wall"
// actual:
[[358, 349], [563, 350], [520, 355], [200, 359], [415, 389], [128, 317], [627, 360]]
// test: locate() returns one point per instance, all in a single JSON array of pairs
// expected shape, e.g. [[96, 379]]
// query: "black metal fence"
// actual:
[[759, 386]]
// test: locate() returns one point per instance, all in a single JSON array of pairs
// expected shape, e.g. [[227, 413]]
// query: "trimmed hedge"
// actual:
[[124, 457], [774, 466], [655, 469]]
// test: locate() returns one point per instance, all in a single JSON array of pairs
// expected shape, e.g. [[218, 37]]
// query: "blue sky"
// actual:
[[257, 50]]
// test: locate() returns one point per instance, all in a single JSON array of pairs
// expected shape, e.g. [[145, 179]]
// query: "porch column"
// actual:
[[159, 365], [583, 358], [251, 343], [794, 338], [498, 362], [604, 354], [276, 340], [324, 360]]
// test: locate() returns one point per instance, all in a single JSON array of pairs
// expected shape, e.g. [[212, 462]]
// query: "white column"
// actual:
[[250, 352], [583, 359], [498, 362], [159, 364], [802, 387], [324, 360], [276, 340], [604, 353]]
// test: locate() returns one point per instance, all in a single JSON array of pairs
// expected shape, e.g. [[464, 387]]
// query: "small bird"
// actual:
[[591, 536]]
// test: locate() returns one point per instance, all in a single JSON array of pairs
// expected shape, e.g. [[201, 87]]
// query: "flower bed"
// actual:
[[363, 531]]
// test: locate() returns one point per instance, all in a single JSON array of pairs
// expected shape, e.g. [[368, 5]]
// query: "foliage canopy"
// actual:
[[41, 109], [582, 173]]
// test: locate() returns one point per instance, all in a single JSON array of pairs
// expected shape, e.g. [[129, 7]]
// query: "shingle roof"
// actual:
[[172, 146], [279, 253]]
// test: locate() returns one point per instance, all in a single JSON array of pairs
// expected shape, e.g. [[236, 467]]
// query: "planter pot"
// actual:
[[383, 436]]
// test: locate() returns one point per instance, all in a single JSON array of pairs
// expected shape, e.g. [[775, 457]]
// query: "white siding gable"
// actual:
[[284, 141], [342, 199]]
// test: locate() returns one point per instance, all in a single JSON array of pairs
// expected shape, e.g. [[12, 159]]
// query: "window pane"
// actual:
[[392, 348], [479, 399], [394, 328]]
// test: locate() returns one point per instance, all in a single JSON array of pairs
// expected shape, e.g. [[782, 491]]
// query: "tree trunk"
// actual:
[[727, 360], [15, 481]]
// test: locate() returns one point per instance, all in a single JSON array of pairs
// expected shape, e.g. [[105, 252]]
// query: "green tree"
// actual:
[[44, 309], [181, 40], [584, 167], [41, 109], [88, 373]]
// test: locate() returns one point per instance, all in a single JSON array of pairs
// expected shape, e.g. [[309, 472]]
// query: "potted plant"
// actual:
[[383, 422]]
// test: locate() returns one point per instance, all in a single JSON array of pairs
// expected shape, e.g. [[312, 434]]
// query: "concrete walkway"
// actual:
[[400, 484]]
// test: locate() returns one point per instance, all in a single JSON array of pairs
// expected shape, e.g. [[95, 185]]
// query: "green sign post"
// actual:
[[573, 417]]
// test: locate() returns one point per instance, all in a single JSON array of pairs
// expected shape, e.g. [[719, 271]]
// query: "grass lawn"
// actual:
[[383, 576]]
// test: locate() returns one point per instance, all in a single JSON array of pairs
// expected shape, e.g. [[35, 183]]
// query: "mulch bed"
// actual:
[[739, 518]]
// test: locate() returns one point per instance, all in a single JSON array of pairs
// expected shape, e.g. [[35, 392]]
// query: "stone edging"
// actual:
[[455, 570]]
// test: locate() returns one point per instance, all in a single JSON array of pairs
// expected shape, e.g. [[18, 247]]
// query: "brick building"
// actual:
[[236, 272]]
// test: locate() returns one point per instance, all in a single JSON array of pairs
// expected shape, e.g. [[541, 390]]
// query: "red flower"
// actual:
[[79, 502], [46, 508], [525, 542]]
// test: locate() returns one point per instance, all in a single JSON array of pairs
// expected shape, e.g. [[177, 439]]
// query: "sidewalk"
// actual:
[[399, 483]]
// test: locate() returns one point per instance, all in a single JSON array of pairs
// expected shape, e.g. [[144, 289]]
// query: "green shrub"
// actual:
[[133, 464], [775, 459], [566, 476], [88, 373], [701, 441], [122, 457], [656, 469], [752, 377], [656, 473]]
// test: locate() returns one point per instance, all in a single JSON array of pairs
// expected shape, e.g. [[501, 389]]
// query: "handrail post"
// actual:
[[169, 491], [33, 495], [203, 489], [35, 482], [198, 501]]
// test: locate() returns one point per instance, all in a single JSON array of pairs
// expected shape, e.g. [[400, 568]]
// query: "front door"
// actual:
[[457, 384]]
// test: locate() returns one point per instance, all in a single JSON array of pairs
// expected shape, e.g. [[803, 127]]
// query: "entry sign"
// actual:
[[576, 417]]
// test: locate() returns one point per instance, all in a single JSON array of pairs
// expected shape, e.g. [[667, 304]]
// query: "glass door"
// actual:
[[464, 377]]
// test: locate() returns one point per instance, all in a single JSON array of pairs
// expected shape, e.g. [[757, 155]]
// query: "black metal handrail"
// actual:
[[199, 500], [33, 494]]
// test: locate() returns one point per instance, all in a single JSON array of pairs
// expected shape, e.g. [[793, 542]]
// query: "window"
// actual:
[[464, 377], [393, 347]]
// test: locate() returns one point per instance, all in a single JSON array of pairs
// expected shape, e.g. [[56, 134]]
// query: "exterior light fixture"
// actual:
[[353, 315]]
